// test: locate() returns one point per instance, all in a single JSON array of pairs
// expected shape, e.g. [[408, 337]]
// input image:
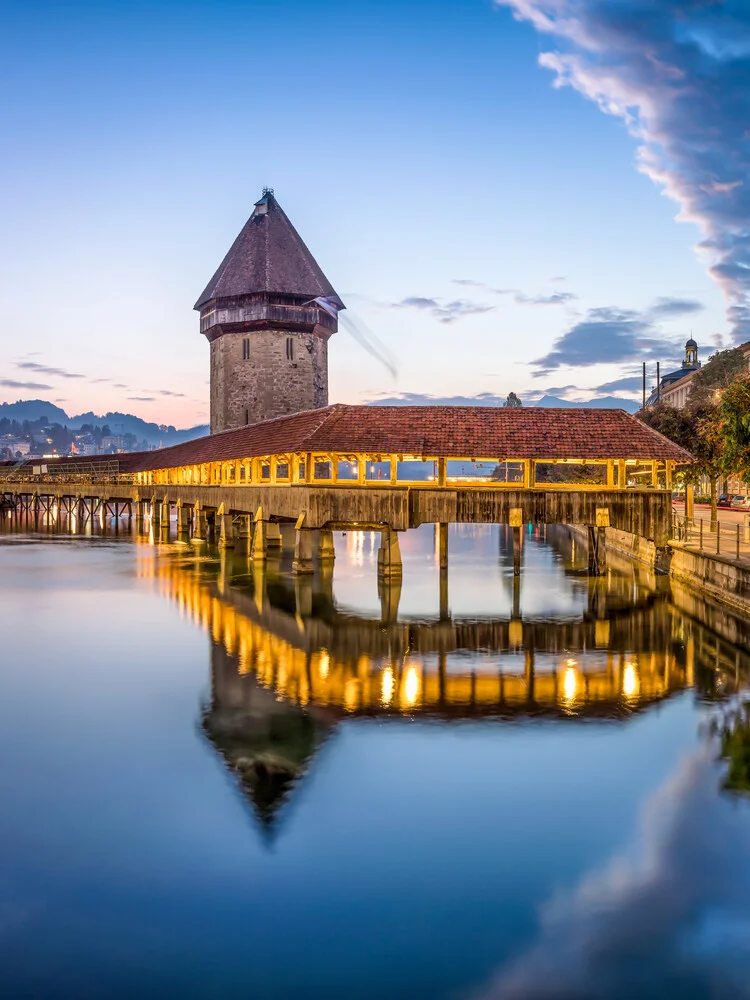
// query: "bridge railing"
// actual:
[[714, 537]]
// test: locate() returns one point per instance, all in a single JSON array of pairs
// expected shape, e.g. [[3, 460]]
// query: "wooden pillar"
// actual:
[[442, 466], [441, 543], [334, 468], [610, 473], [303, 548], [516, 523], [361, 470], [389, 554], [200, 525], [668, 467], [622, 474], [274, 538], [183, 518], [655, 474], [258, 548], [597, 550], [389, 591], [326, 549], [393, 469], [225, 529]]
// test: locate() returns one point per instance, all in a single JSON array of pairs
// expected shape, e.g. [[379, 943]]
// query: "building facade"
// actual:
[[268, 313]]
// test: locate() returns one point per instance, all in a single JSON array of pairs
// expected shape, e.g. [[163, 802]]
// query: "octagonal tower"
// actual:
[[267, 312]]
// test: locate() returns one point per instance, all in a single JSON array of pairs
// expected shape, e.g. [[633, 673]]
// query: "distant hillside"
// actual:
[[600, 403], [119, 423], [488, 399]]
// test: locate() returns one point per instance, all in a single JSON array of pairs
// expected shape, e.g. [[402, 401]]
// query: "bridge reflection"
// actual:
[[287, 666]]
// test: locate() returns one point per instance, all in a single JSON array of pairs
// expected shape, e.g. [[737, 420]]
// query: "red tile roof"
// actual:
[[449, 431]]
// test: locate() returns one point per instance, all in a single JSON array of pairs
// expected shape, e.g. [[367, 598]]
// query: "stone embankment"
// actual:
[[725, 579]]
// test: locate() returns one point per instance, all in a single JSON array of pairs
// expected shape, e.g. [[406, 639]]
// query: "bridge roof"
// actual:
[[270, 256], [431, 431]]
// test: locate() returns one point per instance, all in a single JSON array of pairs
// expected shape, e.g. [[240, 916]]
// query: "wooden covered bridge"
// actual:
[[388, 469]]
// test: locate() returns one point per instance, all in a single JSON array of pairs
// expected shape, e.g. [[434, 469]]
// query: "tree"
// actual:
[[697, 429], [512, 400], [715, 376], [734, 423]]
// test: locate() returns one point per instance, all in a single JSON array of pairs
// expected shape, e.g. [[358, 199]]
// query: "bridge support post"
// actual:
[[441, 541], [244, 534], [597, 551], [200, 525], [516, 521], [258, 547], [303, 548], [273, 535], [226, 529], [326, 550], [183, 514], [389, 555], [303, 595], [389, 592]]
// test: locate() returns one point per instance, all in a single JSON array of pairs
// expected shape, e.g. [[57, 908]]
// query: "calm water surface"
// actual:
[[219, 782]]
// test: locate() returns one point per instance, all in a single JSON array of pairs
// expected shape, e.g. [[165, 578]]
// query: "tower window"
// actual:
[[247, 416], [245, 348], [290, 348]]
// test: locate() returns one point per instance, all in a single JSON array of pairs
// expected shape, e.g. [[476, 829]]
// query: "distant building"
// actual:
[[674, 387]]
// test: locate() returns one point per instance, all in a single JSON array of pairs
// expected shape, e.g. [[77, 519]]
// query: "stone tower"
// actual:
[[268, 313]]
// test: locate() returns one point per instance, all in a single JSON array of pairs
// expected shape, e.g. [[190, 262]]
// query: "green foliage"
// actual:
[[734, 422], [512, 400], [735, 748], [717, 374]]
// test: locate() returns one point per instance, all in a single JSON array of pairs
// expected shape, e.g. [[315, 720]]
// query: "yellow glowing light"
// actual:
[[571, 663], [325, 662], [387, 686], [630, 682], [570, 683], [411, 686]]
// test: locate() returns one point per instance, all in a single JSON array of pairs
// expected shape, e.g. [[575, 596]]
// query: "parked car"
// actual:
[[724, 500], [740, 501]]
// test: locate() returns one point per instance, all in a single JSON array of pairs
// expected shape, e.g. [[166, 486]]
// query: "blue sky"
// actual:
[[475, 216]]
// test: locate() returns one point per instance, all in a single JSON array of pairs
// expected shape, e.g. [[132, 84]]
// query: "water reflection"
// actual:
[[287, 665]]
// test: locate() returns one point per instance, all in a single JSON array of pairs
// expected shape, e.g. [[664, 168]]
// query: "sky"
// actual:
[[513, 195]]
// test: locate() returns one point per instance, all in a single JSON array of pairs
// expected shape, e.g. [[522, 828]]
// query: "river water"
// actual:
[[218, 781]]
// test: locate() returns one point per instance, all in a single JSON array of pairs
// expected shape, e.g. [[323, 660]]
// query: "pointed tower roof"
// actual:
[[268, 256]]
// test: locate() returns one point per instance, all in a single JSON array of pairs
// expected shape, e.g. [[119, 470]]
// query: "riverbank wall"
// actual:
[[724, 579]]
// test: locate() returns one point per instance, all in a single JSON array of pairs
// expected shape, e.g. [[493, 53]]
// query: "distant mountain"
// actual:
[[33, 409], [119, 423], [600, 403]]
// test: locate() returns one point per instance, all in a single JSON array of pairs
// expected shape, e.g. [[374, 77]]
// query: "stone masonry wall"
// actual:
[[268, 383]]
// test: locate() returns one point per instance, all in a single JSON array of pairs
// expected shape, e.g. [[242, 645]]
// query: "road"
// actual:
[[727, 515]]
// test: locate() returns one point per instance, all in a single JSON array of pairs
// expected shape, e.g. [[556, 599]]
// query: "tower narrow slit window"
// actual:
[[290, 348], [245, 348]]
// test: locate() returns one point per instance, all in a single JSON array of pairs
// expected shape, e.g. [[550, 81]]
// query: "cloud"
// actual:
[[141, 399], [95, 381], [678, 75], [444, 312], [119, 385], [46, 369], [665, 307], [550, 299], [666, 918], [166, 392], [425, 399], [555, 299], [606, 336], [629, 384], [10, 383]]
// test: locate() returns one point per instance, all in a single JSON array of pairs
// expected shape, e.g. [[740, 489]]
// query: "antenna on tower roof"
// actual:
[[267, 191]]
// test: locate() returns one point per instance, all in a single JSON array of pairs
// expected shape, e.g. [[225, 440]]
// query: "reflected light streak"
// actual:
[[630, 682], [387, 686], [570, 683], [325, 662], [411, 687]]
